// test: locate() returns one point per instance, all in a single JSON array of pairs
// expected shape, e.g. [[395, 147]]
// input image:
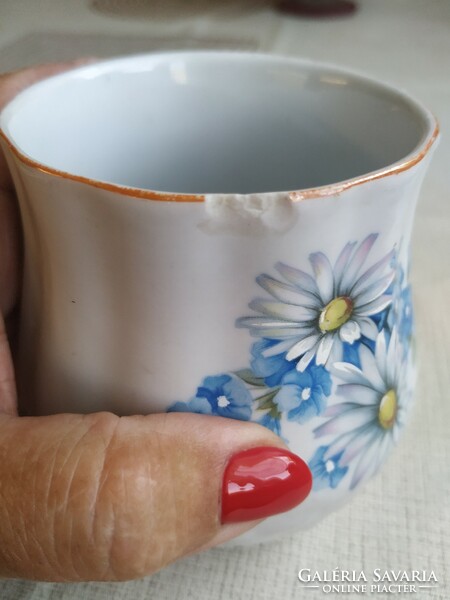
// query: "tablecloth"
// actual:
[[401, 519]]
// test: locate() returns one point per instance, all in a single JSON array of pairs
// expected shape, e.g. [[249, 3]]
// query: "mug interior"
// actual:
[[197, 123]]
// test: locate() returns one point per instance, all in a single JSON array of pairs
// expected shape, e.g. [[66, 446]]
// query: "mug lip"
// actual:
[[417, 154]]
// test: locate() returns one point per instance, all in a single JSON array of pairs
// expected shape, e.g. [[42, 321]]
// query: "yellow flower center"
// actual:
[[388, 410], [336, 313]]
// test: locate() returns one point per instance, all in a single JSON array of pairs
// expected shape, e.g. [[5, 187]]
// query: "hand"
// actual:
[[98, 497]]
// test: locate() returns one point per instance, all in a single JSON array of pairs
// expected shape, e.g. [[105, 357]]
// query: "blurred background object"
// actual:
[[317, 8], [174, 9], [39, 47], [401, 519]]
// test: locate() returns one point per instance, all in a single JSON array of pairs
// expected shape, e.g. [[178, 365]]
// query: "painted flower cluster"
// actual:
[[332, 350]]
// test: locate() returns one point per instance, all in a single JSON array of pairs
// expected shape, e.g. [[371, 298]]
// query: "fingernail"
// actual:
[[261, 482]]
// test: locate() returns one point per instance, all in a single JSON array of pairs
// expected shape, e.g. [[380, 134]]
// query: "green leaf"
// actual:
[[266, 402], [249, 377], [275, 412]]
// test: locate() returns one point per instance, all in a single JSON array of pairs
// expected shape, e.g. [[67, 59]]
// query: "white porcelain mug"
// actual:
[[226, 234]]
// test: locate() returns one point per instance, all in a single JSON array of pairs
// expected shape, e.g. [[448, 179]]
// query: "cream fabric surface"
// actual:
[[401, 519]]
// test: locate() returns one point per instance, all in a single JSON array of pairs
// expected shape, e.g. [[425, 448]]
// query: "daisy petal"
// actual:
[[356, 262], [392, 360], [276, 349], [369, 276], [388, 442], [324, 349], [356, 445], [360, 394], [306, 359], [369, 367], [374, 307], [368, 463], [341, 265], [338, 409], [374, 290], [340, 443], [396, 430], [347, 421], [381, 354], [337, 351], [324, 276], [368, 327], [302, 346], [351, 374], [350, 332], [275, 333], [267, 322], [282, 291], [280, 310], [299, 278]]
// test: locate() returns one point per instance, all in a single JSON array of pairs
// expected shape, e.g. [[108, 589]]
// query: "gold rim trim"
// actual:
[[337, 188], [296, 196]]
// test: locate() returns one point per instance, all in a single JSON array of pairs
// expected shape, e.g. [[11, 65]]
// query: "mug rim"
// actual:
[[416, 155]]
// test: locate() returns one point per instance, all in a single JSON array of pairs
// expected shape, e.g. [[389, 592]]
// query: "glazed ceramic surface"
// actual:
[[225, 234]]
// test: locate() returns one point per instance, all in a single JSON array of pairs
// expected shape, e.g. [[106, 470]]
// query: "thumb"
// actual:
[[101, 497]]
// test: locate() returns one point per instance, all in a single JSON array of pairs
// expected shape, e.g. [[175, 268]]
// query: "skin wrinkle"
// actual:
[[50, 554], [51, 482], [154, 470], [171, 503], [31, 458], [21, 551], [69, 498], [176, 507], [155, 542], [114, 482], [100, 479], [49, 489], [149, 556], [103, 477], [70, 495]]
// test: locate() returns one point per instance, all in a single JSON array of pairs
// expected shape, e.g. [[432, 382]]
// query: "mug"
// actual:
[[226, 234]]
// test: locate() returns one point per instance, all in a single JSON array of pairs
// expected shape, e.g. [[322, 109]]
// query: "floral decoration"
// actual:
[[313, 315], [332, 353], [303, 395], [365, 425], [326, 472], [223, 395]]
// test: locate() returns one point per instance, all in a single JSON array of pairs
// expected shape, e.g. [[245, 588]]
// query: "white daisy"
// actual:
[[367, 424], [312, 315]]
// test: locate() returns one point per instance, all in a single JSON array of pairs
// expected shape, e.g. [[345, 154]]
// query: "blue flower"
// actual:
[[267, 365], [406, 317], [402, 316], [401, 311], [326, 473], [200, 406], [271, 423], [223, 395], [303, 394]]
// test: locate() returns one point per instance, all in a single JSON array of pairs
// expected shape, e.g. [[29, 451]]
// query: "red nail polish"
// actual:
[[261, 482]]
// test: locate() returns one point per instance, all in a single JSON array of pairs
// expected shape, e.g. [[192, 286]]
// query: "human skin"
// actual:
[[101, 497]]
